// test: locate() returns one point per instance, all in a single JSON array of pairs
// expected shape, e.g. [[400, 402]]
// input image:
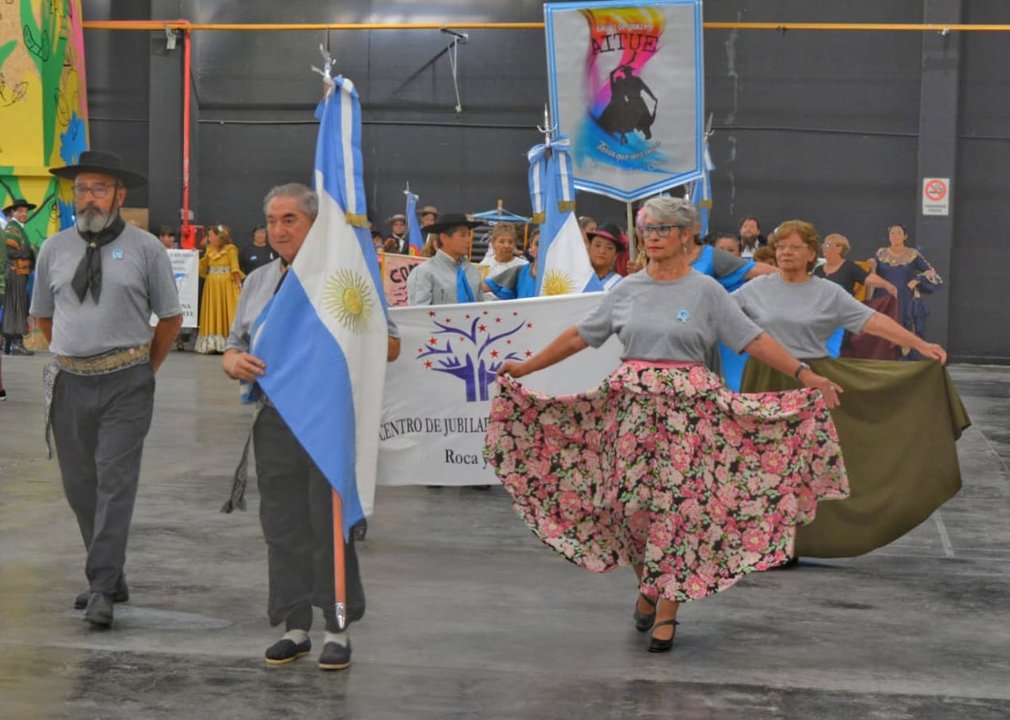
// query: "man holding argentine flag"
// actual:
[[310, 335]]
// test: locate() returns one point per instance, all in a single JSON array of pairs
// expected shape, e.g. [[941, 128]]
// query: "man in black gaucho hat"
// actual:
[[14, 291], [448, 277], [96, 286]]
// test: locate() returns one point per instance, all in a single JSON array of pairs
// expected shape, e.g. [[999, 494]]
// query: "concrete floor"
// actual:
[[468, 615]]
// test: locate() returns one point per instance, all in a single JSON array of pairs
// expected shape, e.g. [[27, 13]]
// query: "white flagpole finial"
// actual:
[[547, 128], [327, 70]]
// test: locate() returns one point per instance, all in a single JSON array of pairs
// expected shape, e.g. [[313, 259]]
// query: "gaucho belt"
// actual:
[[107, 362]]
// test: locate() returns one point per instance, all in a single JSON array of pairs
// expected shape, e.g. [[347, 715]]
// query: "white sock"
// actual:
[[341, 638], [296, 636]]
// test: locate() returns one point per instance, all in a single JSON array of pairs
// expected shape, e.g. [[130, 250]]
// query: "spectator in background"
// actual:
[[397, 242], [728, 242], [586, 225], [765, 256], [429, 215], [257, 254], [604, 245], [750, 236], [846, 273], [220, 268], [167, 237], [504, 238]]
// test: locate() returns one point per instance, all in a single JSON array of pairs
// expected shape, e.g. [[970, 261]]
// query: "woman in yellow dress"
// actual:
[[223, 281]]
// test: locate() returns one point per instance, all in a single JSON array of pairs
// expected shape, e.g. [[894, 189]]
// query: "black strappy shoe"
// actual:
[[655, 644], [643, 621]]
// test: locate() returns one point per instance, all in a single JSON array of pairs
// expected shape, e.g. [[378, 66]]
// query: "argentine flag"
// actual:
[[414, 236], [563, 265], [323, 337]]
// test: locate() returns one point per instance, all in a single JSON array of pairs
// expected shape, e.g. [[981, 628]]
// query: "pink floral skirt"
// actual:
[[662, 465]]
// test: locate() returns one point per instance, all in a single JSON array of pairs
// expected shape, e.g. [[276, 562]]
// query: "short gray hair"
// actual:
[[308, 200], [670, 211]]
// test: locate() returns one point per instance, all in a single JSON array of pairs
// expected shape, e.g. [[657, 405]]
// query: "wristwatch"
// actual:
[[802, 366]]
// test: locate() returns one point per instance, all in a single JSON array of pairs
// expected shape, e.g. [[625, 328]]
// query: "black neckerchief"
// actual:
[[88, 274]]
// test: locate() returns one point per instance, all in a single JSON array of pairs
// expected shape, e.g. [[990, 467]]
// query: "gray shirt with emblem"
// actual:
[[673, 320], [801, 316], [137, 281]]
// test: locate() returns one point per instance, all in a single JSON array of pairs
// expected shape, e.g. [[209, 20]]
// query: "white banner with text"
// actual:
[[438, 392]]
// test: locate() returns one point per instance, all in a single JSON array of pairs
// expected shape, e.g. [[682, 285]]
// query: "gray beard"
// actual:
[[94, 221]]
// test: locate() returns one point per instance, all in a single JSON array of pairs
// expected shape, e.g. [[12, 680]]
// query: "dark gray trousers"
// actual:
[[99, 423], [296, 512]]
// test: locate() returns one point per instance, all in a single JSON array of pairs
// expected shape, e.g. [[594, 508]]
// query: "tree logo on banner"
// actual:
[[479, 351]]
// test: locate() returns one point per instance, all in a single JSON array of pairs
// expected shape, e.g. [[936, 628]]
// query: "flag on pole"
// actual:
[[323, 337], [563, 262], [701, 190], [414, 236]]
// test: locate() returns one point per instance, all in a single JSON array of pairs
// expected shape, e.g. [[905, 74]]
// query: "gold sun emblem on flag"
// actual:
[[557, 282], [347, 297]]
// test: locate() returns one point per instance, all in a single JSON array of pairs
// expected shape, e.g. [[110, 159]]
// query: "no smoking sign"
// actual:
[[936, 196]]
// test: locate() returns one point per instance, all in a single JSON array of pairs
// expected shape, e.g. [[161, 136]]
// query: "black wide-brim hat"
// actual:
[[19, 203], [99, 161], [449, 221]]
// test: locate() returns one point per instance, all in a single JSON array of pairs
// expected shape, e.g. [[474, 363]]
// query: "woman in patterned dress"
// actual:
[[661, 467], [908, 271]]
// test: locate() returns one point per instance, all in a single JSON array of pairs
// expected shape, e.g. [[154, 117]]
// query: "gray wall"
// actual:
[[821, 126]]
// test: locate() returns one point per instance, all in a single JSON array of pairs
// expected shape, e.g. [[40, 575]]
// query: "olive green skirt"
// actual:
[[897, 423]]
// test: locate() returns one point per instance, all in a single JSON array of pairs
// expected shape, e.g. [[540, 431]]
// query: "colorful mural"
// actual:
[[43, 106]]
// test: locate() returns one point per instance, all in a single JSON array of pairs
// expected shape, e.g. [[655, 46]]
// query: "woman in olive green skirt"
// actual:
[[897, 421]]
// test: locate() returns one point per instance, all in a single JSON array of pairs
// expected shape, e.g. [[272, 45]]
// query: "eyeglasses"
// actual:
[[98, 190], [793, 248], [658, 230]]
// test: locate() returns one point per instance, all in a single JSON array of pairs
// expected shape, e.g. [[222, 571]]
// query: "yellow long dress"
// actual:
[[220, 297]]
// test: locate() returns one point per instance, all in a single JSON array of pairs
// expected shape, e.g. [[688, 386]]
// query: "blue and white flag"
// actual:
[[414, 236], [562, 261], [701, 191], [323, 337]]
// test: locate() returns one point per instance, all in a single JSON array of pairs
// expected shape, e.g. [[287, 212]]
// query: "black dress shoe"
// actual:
[[3, 394], [121, 595], [359, 530], [335, 656], [644, 621], [20, 349], [99, 610], [655, 644], [285, 651]]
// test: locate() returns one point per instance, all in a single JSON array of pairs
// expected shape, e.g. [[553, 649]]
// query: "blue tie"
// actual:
[[464, 294]]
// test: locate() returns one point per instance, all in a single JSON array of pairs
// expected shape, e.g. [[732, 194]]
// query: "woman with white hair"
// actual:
[[661, 467]]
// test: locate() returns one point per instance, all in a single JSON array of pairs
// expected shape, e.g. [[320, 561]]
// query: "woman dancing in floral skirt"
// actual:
[[661, 467]]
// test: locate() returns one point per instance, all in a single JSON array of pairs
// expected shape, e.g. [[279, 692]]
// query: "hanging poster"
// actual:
[[626, 85]]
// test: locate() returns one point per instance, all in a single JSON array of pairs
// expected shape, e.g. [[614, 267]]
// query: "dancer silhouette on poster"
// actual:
[[628, 110]]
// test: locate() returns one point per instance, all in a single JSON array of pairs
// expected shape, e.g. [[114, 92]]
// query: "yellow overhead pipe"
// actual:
[[781, 26]]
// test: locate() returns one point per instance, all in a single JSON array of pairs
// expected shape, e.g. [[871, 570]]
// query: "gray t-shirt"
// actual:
[[136, 282], [674, 320], [801, 316], [259, 286]]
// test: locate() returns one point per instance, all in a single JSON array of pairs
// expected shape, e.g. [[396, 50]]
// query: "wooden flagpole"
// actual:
[[339, 577]]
